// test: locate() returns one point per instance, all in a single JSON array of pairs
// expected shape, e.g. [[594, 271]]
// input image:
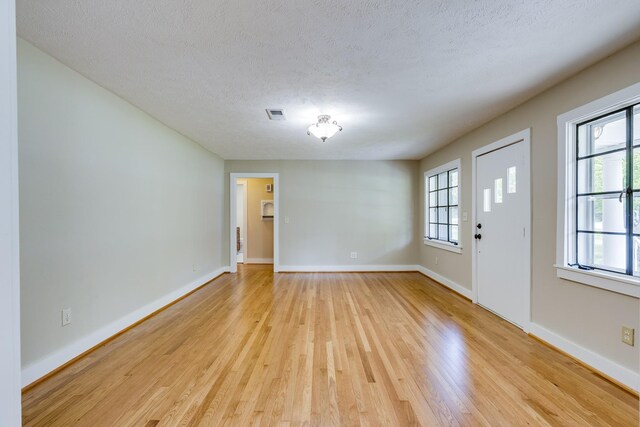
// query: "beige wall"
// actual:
[[116, 209], [260, 231], [587, 316], [336, 207]]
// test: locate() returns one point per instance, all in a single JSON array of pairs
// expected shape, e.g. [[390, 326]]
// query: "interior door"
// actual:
[[502, 212]]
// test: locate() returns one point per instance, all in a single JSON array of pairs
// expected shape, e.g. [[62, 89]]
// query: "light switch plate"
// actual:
[[66, 316]]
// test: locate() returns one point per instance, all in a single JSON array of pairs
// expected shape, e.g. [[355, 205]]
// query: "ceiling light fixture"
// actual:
[[324, 128]]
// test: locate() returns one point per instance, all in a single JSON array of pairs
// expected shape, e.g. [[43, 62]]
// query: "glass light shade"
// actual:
[[323, 130]]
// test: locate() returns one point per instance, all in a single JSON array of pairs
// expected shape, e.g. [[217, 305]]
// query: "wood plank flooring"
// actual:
[[389, 349]]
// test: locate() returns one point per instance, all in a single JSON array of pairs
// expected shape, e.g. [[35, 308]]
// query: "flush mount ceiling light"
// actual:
[[324, 128]]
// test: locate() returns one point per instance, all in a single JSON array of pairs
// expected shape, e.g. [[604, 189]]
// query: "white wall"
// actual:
[[116, 209], [588, 317], [10, 403], [336, 207]]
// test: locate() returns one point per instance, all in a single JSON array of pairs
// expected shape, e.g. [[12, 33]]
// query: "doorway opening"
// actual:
[[241, 222], [501, 248], [253, 219]]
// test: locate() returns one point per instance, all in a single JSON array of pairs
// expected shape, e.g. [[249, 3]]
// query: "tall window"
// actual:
[[442, 210], [598, 240], [607, 235]]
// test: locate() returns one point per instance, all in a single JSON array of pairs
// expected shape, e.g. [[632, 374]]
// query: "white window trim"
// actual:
[[454, 164], [620, 283], [456, 249]]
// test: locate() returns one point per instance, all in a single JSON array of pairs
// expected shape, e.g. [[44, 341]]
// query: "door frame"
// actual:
[[10, 401], [523, 136], [233, 177], [245, 184]]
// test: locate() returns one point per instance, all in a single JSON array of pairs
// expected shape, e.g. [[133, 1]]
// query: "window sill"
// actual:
[[621, 284], [446, 246]]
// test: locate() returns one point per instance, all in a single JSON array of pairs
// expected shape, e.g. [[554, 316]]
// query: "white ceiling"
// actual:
[[402, 77]]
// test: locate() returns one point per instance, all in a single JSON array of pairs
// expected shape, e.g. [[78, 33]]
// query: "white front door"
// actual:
[[502, 222]]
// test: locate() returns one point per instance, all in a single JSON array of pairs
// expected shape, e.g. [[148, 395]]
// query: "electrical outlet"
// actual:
[[465, 217], [628, 335], [286, 220], [66, 316], [436, 260], [354, 255], [194, 267]]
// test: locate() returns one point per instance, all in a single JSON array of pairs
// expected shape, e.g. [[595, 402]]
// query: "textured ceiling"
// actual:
[[402, 77]]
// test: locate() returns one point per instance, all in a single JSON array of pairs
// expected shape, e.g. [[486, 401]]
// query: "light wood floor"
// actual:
[[326, 349]]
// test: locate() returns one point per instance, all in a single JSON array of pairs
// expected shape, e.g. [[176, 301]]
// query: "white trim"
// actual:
[[523, 136], [444, 245], [258, 260], [42, 367], [453, 164], [621, 284], [10, 400], [620, 99], [566, 193], [619, 373], [462, 290], [245, 195], [345, 268], [233, 176]]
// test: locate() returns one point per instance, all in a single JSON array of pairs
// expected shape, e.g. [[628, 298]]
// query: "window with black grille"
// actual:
[[442, 206], [608, 192]]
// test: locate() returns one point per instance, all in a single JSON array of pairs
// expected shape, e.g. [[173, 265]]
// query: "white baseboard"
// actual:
[[344, 268], [448, 283], [258, 260], [42, 367], [608, 367]]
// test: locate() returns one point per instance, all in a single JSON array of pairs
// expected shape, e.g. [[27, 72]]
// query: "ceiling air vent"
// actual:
[[276, 114]]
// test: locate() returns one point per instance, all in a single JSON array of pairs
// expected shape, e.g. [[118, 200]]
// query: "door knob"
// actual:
[[479, 226], [478, 236]]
